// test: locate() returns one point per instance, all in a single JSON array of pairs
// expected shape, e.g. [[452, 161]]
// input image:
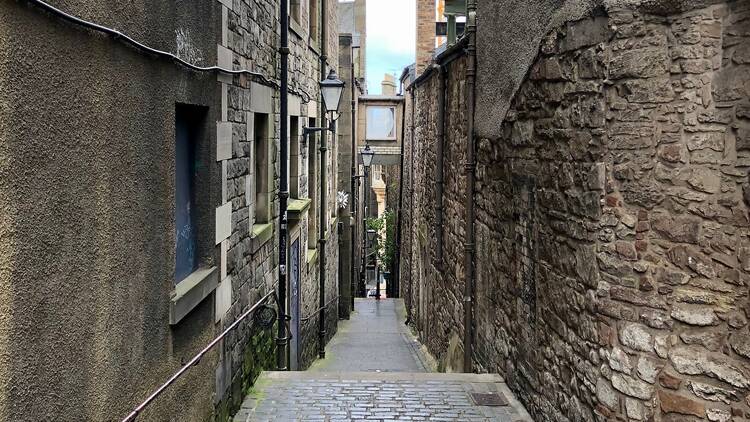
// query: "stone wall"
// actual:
[[87, 201], [87, 257], [251, 33], [612, 226]]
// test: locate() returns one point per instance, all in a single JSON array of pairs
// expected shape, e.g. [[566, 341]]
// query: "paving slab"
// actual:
[[375, 338]]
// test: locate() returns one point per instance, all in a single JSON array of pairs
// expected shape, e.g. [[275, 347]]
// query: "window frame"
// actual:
[[313, 21], [312, 186], [392, 109], [262, 182]]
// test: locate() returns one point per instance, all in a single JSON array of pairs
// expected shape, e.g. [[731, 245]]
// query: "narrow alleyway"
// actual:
[[375, 371], [375, 339]]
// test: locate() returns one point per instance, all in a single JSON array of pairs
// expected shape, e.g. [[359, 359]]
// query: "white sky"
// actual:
[[391, 39]]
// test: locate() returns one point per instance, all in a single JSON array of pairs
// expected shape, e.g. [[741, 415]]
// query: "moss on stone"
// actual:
[[259, 355]]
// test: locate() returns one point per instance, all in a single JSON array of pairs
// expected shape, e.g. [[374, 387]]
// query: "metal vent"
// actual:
[[489, 399]]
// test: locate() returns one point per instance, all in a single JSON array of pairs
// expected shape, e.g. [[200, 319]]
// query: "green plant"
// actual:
[[389, 250], [385, 249]]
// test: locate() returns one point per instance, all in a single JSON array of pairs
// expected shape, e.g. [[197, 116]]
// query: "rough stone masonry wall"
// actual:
[[612, 231], [621, 222], [434, 294]]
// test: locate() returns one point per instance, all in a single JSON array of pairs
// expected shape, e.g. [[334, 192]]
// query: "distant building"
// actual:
[[352, 65]]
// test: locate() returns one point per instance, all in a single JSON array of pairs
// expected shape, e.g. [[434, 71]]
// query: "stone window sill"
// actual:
[[297, 207], [191, 291], [261, 233], [296, 29], [312, 257], [314, 46]]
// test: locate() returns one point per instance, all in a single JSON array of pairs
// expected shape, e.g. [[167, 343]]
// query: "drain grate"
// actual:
[[489, 399]]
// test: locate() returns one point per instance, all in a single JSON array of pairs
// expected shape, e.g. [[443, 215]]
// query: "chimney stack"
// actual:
[[388, 85], [425, 33]]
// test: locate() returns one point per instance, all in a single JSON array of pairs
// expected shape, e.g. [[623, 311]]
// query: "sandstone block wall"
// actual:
[[251, 33], [612, 227]]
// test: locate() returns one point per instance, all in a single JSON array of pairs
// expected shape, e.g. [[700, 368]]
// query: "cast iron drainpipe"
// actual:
[[306, 131], [411, 203], [323, 195], [470, 168], [439, 180], [322, 240], [399, 216], [353, 201], [281, 339]]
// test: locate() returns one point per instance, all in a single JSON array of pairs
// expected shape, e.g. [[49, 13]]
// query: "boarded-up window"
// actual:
[[191, 182]]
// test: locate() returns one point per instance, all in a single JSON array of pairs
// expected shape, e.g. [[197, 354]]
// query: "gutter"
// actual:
[[470, 167], [450, 54]]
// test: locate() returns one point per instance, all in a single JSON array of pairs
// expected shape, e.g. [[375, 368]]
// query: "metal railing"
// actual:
[[197, 358], [315, 313]]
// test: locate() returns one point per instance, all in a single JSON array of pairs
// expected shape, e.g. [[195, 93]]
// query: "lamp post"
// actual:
[[353, 202], [367, 155], [331, 89], [372, 236]]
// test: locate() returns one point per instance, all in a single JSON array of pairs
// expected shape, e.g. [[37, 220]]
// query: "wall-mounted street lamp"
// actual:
[[367, 155], [331, 89]]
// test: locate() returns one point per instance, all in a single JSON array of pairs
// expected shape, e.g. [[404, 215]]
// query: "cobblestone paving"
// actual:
[[346, 387], [368, 396]]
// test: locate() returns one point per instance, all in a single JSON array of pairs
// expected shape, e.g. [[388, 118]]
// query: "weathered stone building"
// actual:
[[611, 208], [138, 203], [352, 63]]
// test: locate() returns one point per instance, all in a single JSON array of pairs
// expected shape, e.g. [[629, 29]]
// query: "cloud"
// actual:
[[391, 39]]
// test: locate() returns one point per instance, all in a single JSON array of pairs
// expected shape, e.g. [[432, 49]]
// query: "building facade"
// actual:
[[139, 198], [352, 61], [611, 213]]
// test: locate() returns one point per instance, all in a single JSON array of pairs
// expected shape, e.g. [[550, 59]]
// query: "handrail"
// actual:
[[197, 358], [315, 313]]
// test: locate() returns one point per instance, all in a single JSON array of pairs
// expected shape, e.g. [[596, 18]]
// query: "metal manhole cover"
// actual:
[[489, 399]]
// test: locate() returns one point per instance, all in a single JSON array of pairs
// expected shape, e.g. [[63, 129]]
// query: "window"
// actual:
[[294, 157], [190, 184], [294, 11], [333, 179], [381, 123], [262, 180], [312, 186], [312, 8]]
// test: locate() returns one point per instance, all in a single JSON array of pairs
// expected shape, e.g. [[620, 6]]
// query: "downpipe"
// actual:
[[281, 338], [399, 213], [353, 194], [411, 206], [439, 177], [323, 191], [470, 168]]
